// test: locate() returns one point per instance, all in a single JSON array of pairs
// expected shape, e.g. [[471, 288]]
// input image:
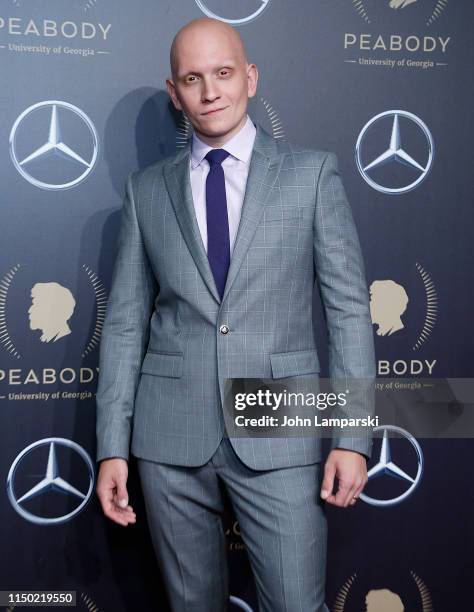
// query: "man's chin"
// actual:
[[215, 128]]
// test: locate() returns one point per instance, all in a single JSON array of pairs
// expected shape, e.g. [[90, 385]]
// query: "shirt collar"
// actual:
[[239, 146]]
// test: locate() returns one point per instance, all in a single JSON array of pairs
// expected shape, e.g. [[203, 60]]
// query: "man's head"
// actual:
[[211, 79]]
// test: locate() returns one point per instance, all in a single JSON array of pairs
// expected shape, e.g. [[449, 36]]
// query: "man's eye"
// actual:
[[191, 79], [224, 72]]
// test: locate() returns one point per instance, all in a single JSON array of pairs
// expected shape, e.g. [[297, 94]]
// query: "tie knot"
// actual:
[[216, 156]]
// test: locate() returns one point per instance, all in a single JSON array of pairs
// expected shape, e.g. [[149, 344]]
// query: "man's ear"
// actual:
[[252, 80], [172, 92]]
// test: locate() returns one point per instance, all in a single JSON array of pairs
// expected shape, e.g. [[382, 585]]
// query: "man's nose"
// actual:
[[209, 91]]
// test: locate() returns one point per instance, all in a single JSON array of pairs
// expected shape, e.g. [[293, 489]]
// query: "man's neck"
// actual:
[[219, 141]]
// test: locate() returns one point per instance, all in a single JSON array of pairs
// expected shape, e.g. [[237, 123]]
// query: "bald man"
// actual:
[[211, 274]]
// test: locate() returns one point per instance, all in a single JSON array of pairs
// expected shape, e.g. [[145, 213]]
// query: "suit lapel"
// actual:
[[179, 188], [263, 172]]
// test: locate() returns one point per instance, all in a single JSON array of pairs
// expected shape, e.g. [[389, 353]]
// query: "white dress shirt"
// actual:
[[236, 169]]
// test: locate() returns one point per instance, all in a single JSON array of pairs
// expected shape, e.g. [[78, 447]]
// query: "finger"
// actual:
[[342, 493], [119, 502], [124, 522], [129, 516], [337, 499], [123, 512], [358, 491], [120, 509], [119, 517], [351, 493], [352, 498], [121, 496], [328, 481], [128, 510], [106, 497]]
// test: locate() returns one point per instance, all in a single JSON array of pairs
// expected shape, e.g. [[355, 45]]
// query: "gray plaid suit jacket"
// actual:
[[163, 359]]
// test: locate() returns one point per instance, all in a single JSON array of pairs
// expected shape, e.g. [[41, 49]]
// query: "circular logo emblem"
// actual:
[[377, 593], [54, 145], [386, 467], [239, 603], [53, 312], [51, 478], [397, 303], [381, 11], [387, 151], [260, 6]]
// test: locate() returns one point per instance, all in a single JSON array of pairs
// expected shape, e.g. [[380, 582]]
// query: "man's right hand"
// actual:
[[112, 491]]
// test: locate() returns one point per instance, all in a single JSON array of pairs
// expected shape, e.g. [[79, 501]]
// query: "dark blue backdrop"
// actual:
[[83, 103]]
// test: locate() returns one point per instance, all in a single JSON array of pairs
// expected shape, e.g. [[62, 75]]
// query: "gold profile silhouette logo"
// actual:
[[360, 6], [51, 308], [384, 599], [389, 302]]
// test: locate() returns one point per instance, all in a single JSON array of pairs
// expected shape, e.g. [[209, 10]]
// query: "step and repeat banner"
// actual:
[[385, 84]]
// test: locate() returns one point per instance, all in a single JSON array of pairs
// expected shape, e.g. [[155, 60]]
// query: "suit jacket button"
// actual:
[[224, 329]]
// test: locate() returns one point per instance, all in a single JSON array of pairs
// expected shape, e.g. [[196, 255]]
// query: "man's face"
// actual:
[[212, 82]]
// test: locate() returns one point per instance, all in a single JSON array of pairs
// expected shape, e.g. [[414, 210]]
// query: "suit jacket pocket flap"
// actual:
[[294, 363], [163, 364], [280, 213]]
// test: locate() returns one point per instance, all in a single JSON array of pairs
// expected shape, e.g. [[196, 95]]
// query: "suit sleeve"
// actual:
[[339, 268], [124, 335]]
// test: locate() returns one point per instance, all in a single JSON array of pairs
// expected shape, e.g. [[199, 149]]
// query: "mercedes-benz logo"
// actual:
[[82, 159], [240, 603], [51, 481], [235, 21], [395, 153], [386, 467]]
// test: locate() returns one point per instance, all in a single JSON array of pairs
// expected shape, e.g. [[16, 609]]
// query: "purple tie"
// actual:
[[218, 245]]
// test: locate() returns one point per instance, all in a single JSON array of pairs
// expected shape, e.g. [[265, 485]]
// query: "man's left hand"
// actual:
[[350, 468]]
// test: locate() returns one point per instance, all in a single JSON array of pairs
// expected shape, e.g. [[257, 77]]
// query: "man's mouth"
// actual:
[[212, 112]]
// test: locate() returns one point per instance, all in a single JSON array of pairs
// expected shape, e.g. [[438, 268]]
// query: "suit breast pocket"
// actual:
[[159, 363], [287, 218], [275, 214]]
